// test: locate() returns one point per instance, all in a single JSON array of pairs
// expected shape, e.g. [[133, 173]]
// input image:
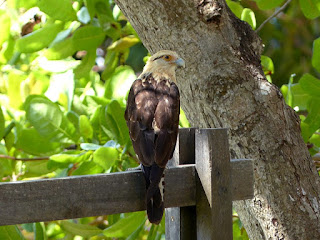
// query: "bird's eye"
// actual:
[[167, 57]]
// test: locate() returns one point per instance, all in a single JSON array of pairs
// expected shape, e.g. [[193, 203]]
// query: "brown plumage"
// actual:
[[152, 117]]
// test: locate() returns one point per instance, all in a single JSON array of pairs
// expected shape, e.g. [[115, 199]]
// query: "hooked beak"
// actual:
[[180, 62]]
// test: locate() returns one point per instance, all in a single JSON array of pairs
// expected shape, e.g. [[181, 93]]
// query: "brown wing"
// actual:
[[166, 123], [152, 117]]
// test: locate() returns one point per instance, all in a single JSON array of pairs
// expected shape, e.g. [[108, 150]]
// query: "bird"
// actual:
[[152, 116]]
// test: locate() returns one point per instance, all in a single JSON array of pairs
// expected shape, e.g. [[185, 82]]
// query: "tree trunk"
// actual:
[[223, 85]]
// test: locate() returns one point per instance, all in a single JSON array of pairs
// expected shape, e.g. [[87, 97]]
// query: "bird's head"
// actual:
[[164, 64]]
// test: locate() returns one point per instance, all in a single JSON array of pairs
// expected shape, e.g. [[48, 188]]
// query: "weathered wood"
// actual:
[[181, 221], [83, 196], [213, 167]]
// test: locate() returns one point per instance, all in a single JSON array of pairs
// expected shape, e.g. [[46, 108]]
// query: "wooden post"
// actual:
[[181, 221], [214, 189]]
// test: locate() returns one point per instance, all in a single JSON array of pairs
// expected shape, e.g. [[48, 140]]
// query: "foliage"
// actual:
[[63, 88]]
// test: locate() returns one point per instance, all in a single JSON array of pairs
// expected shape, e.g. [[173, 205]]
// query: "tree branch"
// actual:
[[273, 15]]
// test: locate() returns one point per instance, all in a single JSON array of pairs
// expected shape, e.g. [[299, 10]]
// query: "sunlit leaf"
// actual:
[[105, 157], [99, 124], [183, 121], [39, 39], [88, 167], [4, 26], [86, 64], [116, 124], [83, 230], [30, 141], [85, 127], [2, 123], [88, 37], [60, 50], [310, 85], [125, 226], [316, 54], [70, 157], [235, 7], [39, 231], [111, 62], [58, 9], [11, 232], [119, 83], [49, 121], [313, 118], [248, 16], [15, 79], [124, 43]]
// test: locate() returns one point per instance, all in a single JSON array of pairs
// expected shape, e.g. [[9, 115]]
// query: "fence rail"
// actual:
[[193, 191]]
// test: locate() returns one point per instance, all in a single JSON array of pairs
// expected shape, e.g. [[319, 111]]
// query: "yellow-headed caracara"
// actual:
[[152, 117]]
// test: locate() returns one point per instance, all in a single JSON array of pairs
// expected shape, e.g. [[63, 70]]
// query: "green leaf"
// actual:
[[49, 121], [119, 83], [71, 157], [5, 24], [36, 168], [39, 231], [15, 79], [86, 64], [183, 121], [31, 142], [105, 157], [136, 233], [22, 4], [235, 7], [248, 16], [2, 123], [313, 118], [86, 168], [124, 43], [88, 37], [83, 230], [116, 124], [310, 8], [7, 50], [39, 39], [85, 127], [94, 101], [316, 54], [125, 226], [299, 97], [111, 62], [268, 4], [310, 85], [61, 89], [11, 232], [98, 122], [267, 65], [58, 9], [60, 50]]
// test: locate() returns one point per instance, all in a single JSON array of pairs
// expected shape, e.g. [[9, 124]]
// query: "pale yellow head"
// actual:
[[164, 64]]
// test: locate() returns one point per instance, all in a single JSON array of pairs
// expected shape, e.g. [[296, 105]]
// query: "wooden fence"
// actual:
[[201, 183]]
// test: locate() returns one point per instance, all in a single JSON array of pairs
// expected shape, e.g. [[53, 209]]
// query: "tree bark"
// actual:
[[223, 85]]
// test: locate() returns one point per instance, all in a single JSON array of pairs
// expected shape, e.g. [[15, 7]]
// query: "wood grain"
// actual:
[[214, 170], [82, 196]]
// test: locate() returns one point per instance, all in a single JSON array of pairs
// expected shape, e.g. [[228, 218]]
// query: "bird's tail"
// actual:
[[155, 192]]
